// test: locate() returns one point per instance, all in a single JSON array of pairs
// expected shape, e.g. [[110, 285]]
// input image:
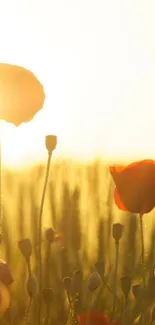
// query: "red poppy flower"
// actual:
[[135, 186], [21, 94], [116, 322], [95, 318]]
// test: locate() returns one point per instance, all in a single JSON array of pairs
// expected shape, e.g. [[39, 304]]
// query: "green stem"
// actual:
[[40, 237], [72, 309], [143, 263], [28, 311], [115, 282], [143, 250]]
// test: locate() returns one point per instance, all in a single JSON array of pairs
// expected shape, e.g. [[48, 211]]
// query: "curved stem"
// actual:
[[40, 237], [115, 282], [72, 309]]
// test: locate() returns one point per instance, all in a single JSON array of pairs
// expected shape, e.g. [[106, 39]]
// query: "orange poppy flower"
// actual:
[[21, 94], [95, 318], [135, 186]]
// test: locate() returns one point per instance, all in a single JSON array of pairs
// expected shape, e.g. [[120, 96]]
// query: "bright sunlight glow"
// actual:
[[96, 62]]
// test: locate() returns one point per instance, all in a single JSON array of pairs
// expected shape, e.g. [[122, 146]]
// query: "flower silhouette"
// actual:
[[135, 186], [21, 94]]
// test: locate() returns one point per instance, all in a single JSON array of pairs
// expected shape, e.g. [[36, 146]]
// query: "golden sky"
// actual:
[[96, 59]]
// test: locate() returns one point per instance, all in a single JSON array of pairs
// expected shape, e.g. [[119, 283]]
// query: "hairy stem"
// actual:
[[143, 250], [40, 237], [143, 264], [115, 282]]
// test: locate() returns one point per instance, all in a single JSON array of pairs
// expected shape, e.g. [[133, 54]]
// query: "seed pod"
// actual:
[[32, 286], [51, 142], [117, 231], [25, 248], [47, 295], [94, 281], [49, 235], [126, 285]]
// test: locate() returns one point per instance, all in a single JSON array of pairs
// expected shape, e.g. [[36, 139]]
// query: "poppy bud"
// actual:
[[5, 274], [25, 248], [94, 281], [32, 286], [117, 231], [67, 283], [51, 142], [100, 266], [47, 295], [137, 290], [49, 235], [126, 284]]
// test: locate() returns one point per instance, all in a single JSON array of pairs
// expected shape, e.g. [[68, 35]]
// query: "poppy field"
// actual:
[[77, 241], [97, 259]]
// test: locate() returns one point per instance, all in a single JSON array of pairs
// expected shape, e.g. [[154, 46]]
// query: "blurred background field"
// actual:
[[79, 205]]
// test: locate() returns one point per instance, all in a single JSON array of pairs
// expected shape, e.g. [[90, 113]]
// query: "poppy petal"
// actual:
[[135, 186], [21, 94], [118, 201]]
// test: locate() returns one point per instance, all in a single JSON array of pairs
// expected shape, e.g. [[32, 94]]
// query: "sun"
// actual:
[[19, 146], [25, 145]]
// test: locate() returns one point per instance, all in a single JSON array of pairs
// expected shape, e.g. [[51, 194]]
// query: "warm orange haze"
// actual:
[[97, 72], [77, 232]]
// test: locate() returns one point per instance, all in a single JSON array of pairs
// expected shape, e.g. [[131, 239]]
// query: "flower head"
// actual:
[[25, 248], [21, 94], [51, 142], [95, 318], [135, 186], [117, 231], [51, 236]]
